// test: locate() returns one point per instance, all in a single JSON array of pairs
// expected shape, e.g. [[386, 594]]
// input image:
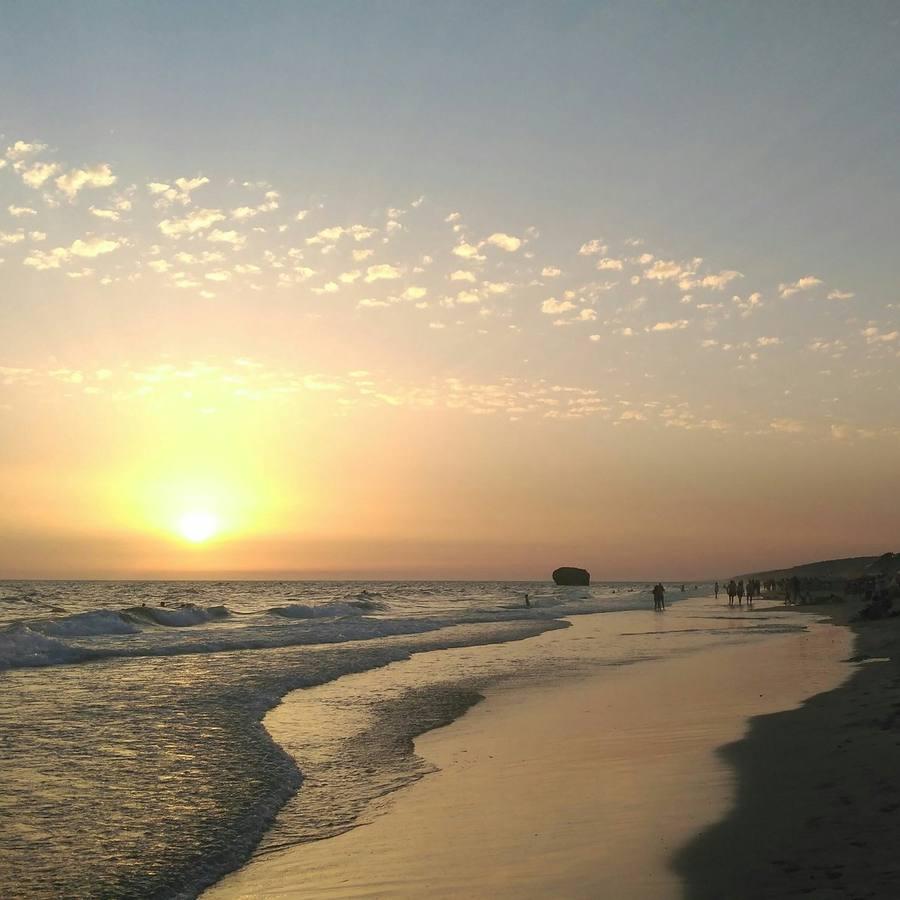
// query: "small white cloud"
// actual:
[[663, 270], [383, 272], [301, 215], [553, 307], [874, 335], [35, 176], [95, 177], [462, 275], [94, 246], [217, 236], [20, 149], [371, 303], [768, 341], [349, 277], [801, 284], [587, 315], [49, 259], [468, 297], [591, 248], [414, 293], [466, 250], [194, 221], [362, 253], [607, 263], [110, 215], [841, 295], [505, 241], [550, 272], [671, 326], [19, 211]]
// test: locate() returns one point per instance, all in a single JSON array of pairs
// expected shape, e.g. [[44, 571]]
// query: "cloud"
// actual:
[[94, 246], [714, 282], [166, 194], [186, 185], [801, 284], [383, 272], [874, 335], [498, 287], [587, 315], [414, 293], [768, 341], [75, 180], [671, 326], [20, 149], [607, 263], [371, 303], [553, 307], [787, 426], [462, 275], [194, 221], [841, 295], [217, 236], [592, 247], [362, 253], [11, 237], [301, 215], [35, 176], [47, 259], [109, 214], [550, 272], [663, 270], [505, 241], [336, 232], [467, 251], [19, 211]]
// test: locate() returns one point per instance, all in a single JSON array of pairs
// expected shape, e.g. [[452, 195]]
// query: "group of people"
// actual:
[[659, 596], [737, 589]]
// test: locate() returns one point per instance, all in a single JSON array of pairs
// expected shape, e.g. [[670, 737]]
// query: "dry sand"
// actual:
[[581, 787]]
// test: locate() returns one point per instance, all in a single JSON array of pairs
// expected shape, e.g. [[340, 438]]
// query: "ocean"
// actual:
[[134, 762]]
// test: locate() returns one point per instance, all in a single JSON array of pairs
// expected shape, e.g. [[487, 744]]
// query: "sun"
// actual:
[[197, 526]]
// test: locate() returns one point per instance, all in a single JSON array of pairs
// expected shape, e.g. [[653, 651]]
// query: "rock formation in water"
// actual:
[[570, 576]]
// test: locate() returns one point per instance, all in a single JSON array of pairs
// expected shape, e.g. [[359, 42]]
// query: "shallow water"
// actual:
[[133, 761]]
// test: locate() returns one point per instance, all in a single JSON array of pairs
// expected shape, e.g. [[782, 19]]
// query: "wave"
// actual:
[[178, 617], [317, 611], [101, 621], [21, 647]]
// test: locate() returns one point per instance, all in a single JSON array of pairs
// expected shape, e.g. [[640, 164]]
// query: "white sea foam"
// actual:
[[317, 611], [21, 647]]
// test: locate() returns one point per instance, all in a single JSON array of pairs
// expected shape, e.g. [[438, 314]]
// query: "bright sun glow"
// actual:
[[198, 526]]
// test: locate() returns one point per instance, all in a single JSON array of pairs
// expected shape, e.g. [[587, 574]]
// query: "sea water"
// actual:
[[133, 761]]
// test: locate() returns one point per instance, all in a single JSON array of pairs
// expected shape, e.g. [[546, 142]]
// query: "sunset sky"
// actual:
[[447, 289]]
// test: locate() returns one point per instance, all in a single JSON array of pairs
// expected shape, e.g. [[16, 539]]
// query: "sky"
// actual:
[[429, 290]]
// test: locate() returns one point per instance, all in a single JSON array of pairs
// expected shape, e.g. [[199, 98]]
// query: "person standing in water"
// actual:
[[659, 597], [527, 601]]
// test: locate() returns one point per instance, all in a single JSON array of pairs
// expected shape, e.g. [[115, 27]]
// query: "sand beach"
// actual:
[[611, 780]]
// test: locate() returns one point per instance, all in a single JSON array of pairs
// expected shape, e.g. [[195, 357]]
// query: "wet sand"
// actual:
[[818, 805], [582, 786]]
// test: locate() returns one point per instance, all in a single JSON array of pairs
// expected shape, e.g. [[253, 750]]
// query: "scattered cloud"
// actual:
[[77, 179], [505, 241], [807, 282]]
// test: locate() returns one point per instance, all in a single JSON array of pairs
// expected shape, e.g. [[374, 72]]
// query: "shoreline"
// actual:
[[481, 752], [818, 803]]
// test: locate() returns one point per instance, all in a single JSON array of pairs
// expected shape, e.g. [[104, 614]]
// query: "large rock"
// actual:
[[569, 576]]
